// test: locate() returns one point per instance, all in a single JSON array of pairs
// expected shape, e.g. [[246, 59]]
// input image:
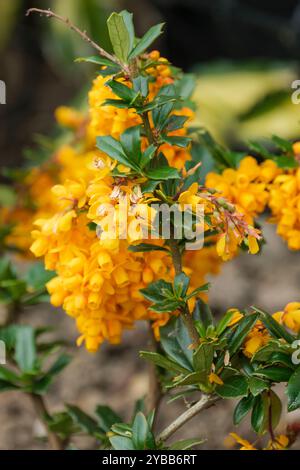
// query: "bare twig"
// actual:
[[205, 402], [41, 410], [50, 14]]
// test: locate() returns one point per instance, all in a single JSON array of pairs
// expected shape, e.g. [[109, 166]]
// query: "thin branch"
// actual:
[[205, 402], [50, 14], [41, 410]]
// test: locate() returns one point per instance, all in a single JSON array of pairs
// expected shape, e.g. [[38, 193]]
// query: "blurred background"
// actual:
[[245, 54]]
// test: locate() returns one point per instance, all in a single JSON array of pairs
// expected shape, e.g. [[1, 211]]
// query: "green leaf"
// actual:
[[122, 429], [275, 408], [244, 327], [257, 385], [7, 386], [224, 322], [175, 122], [235, 386], [162, 173], [269, 351], [274, 327], [181, 285], [260, 414], [121, 443], [203, 313], [163, 362], [194, 378], [186, 85], [148, 155], [176, 141], [141, 85], [36, 277], [158, 291], [199, 290], [146, 40], [139, 431], [25, 354], [8, 375], [114, 149], [293, 391], [283, 144], [146, 247], [175, 341], [202, 360], [96, 60], [242, 409], [276, 374], [83, 420], [286, 162], [120, 35], [122, 91], [131, 143], [60, 364], [186, 444], [158, 102], [128, 20], [106, 417]]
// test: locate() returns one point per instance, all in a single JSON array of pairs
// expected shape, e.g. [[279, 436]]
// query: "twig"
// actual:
[[41, 410], [205, 402], [50, 14]]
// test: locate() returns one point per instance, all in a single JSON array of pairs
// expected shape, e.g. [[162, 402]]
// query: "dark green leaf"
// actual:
[[177, 141], [114, 149], [186, 444], [106, 417], [121, 443], [244, 327], [140, 430], [276, 374], [96, 60], [162, 173], [131, 143], [175, 122], [60, 364], [257, 385], [83, 420], [274, 327], [181, 285], [242, 409], [163, 362], [120, 36], [25, 354], [202, 360], [122, 91], [147, 40], [235, 386], [260, 414], [175, 341], [293, 391]]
